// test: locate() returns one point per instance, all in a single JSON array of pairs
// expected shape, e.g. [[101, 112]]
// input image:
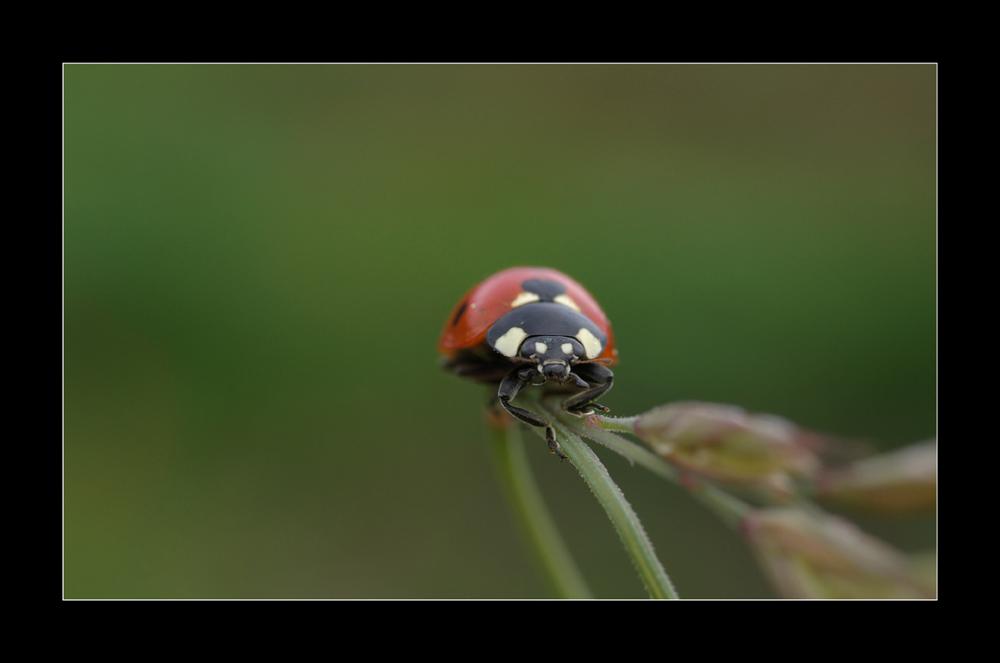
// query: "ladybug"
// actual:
[[532, 325]]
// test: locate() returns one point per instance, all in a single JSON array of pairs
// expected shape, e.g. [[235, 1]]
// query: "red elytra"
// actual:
[[492, 298]]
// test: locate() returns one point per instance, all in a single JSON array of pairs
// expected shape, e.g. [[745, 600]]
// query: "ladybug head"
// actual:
[[553, 356]]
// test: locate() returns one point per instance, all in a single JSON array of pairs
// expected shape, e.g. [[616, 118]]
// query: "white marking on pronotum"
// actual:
[[540, 348], [567, 348], [524, 298], [509, 343], [566, 300], [590, 344]]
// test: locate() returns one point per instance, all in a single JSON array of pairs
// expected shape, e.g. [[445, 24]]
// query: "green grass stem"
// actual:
[[543, 537], [623, 517]]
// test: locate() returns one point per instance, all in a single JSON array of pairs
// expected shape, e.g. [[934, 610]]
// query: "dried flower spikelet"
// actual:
[[725, 442], [815, 555], [901, 481]]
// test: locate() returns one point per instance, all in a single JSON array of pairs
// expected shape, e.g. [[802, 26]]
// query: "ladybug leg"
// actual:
[[509, 388], [595, 374]]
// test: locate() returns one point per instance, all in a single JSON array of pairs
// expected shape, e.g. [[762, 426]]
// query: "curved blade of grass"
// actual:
[[544, 540], [623, 517]]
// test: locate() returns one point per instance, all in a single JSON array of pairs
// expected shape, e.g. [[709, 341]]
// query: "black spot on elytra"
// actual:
[[458, 313]]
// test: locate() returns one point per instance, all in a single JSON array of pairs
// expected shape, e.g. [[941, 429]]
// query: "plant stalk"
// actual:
[[543, 537], [623, 517]]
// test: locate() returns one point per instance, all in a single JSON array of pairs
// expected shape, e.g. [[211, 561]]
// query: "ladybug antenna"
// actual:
[[599, 360]]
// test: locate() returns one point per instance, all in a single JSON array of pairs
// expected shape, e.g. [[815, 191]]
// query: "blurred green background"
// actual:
[[258, 261]]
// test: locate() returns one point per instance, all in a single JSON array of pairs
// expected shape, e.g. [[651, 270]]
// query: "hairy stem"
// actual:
[[544, 540], [622, 516]]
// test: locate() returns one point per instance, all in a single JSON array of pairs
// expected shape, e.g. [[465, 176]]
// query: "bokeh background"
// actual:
[[258, 261]]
